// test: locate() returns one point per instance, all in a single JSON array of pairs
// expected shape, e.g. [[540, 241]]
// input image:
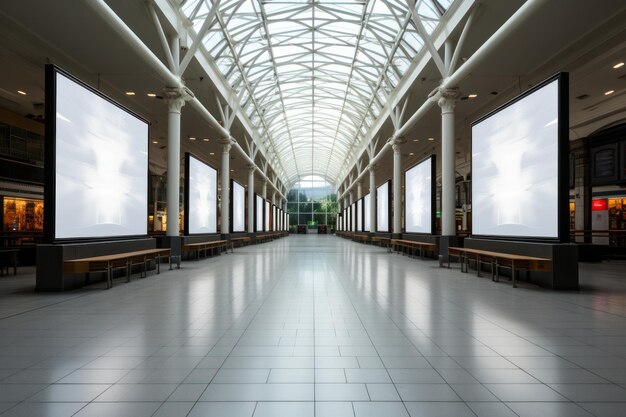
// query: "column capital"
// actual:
[[396, 143], [227, 144], [447, 98], [252, 167], [175, 98]]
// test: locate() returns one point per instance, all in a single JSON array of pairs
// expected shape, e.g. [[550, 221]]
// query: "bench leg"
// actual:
[[158, 260], [513, 275], [109, 277], [128, 266]]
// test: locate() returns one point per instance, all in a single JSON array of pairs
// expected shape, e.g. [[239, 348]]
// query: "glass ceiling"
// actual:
[[312, 75]]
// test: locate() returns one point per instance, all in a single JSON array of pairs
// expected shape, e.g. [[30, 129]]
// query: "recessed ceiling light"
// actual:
[[21, 92], [151, 94], [205, 139], [211, 153], [232, 170], [411, 154], [416, 140], [130, 93], [608, 93], [192, 138], [473, 95], [618, 65], [155, 141], [431, 139]]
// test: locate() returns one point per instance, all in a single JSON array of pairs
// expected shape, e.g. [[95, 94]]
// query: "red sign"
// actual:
[[599, 205]]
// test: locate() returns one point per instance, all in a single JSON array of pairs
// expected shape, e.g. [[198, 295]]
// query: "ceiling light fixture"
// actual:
[[411, 154], [154, 141], [431, 139], [21, 92], [205, 139], [416, 140], [618, 65], [130, 93], [608, 93], [211, 153], [151, 94], [473, 95], [192, 138]]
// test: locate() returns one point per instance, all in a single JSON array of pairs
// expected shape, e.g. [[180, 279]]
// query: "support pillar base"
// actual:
[[444, 243], [175, 243]]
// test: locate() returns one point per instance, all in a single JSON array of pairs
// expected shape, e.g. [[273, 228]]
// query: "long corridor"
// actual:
[[318, 326]]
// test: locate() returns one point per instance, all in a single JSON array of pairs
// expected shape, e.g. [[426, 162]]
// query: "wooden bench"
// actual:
[[380, 241], [412, 247], [107, 263], [499, 260], [239, 241], [219, 245], [262, 238], [8, 258], [360, 238]]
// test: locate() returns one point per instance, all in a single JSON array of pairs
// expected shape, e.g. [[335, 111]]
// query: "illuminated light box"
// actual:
[[353, 217], [237, 207], [200, 197], [96, 171], [267, 216], [383, 201], [519, 166], [259, 213], [359, 215], [274, 219], [419, 197], [366, 213]]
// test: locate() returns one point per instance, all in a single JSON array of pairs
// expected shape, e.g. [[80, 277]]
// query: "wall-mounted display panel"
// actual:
[[353, 217], [359, 215], [96, 171], [366, 213], [258, 218], [268, 208], [383, 208], [200, 197], [520, 166], [237, 207], [419, 197]]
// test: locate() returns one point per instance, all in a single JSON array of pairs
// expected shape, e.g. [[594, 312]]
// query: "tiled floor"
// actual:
[[315, 326]]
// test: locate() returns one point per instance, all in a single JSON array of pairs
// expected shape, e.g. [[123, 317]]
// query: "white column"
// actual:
[[359, 190], [264, 190], [397, 187], [447, 102], [251, 169], [225, 192], [175, 103], [274, 197], [372, 199]]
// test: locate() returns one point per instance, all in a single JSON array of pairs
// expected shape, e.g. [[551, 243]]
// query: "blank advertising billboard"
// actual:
[[419, 197], [259, 213], [366, 213], [359, 215], [238, 207], [382, 207], [353, 217], [516, 165], [96, 181], [200, 197], [268, 207]]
